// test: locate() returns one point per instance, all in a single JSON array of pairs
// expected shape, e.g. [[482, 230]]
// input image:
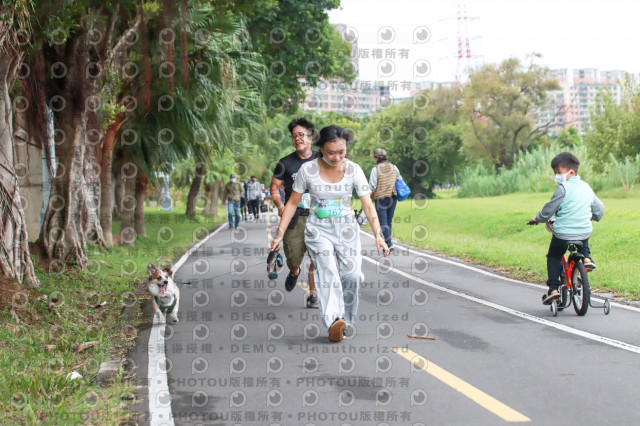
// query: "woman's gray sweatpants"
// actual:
[[334, 246]]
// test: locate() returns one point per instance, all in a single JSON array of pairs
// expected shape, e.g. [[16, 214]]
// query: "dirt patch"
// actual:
[[8, 289]]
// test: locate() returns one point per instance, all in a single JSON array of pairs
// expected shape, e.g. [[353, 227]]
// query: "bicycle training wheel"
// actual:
[[564, 291], [581, 293]]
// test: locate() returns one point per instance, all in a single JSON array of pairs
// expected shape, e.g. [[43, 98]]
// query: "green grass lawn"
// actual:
[[492, 231], [34, 388]]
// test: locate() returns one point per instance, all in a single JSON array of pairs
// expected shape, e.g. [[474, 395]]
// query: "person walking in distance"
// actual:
[[254, 195], [302, 133], [243, 200], [232, 195], [332, 234], [382, 182]]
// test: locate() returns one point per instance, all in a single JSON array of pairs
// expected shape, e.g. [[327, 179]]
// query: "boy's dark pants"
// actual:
[[557, 248]]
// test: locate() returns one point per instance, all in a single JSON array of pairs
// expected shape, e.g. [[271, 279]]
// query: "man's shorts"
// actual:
[[293, 242]]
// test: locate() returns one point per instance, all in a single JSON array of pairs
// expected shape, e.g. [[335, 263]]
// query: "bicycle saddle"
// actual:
[[578, 244]]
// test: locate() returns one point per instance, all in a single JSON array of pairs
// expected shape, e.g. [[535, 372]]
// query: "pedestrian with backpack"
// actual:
[[382, 182]]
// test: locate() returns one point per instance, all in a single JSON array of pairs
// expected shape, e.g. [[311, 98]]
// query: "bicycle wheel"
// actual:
[[581, 294]]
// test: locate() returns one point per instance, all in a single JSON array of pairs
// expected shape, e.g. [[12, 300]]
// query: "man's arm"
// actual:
[[276, 184], [551, 207], [373, 179]]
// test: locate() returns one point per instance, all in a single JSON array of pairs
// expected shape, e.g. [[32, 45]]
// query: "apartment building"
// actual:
[[571, 104], [354, 100]]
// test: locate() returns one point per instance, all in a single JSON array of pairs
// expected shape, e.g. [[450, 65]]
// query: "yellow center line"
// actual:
[[486, 401]]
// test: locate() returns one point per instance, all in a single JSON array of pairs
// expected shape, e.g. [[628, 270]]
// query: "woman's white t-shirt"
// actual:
[[331, 199]]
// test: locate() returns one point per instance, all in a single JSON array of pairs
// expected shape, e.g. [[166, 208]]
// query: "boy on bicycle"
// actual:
[[575, 205]]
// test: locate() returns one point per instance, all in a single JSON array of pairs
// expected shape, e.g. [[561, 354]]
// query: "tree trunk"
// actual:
[[128, 174], [93, 227], [62, 236], [142, 183], [195, 189], [15, 260], [208, 194], [107, 195], [215, 196], [118, 193]]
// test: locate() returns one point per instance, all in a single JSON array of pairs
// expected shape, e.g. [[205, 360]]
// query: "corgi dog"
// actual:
[[166, 294]]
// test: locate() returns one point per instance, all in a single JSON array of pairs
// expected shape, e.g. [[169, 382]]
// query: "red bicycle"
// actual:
[[575, 282]]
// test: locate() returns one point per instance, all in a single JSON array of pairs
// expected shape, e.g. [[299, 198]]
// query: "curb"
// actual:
[[110, 368]]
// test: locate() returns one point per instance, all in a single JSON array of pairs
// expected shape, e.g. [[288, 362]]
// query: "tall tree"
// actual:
[[296, 40], [15, 260], [421, 138], [78, 40], [498, 105], [615, 126]]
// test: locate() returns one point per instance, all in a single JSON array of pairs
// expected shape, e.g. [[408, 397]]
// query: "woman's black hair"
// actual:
[[331, 133]]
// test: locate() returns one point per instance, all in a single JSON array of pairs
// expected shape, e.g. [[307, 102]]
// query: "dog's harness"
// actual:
[[164, 308]]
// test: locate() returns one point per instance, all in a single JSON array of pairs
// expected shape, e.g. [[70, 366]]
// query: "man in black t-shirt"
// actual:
[[302, 133]]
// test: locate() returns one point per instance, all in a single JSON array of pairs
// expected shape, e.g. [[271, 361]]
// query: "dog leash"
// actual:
[[227, 273]]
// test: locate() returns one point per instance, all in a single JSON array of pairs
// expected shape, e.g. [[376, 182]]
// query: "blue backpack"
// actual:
[[402, 189]]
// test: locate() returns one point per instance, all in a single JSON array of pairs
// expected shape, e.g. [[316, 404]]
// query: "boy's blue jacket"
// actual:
[[575, 205]]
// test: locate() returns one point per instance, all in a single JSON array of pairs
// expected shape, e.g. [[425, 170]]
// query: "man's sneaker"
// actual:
[[588, 263], [312, 301], [290, 282], [547, 298], [336, 331]]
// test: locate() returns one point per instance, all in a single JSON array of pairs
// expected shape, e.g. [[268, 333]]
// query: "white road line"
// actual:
[[160, 413], [533, 318], [491, 274]]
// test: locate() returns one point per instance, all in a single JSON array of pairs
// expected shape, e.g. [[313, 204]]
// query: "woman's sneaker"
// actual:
[[312, 301], [336, 331]]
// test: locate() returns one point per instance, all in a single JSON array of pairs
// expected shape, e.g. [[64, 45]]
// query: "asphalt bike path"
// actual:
[[246, 352]]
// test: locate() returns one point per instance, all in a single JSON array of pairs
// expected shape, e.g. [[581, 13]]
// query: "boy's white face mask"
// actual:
[[559, 178]]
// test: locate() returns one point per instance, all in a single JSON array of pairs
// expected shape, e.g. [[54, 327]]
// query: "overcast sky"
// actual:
[[570, 34]]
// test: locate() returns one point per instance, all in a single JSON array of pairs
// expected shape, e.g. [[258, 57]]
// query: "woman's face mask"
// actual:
[[331, 164]]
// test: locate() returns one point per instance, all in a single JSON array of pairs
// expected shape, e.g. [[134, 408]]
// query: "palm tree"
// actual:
[[223, 93]]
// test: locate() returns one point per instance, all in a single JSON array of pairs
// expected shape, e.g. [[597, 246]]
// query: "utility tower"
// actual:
[[464, 64]]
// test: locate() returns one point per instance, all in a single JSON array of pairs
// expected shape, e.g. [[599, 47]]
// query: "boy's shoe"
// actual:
[[547, 298], [336, 331], [588, 263], [312, 301], [290, 282]]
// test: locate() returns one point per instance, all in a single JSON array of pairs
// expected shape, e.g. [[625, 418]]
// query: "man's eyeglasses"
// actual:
[[298, 135]]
